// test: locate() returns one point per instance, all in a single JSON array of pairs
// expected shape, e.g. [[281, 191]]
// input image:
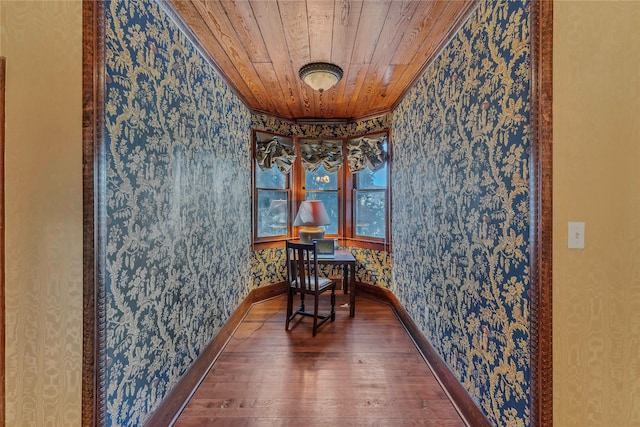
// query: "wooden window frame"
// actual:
[[300, 185], [270, 241], [346, 193], [351, 238]]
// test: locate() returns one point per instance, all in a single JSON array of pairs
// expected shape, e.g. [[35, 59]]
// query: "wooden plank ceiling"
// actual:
[[383, 46]]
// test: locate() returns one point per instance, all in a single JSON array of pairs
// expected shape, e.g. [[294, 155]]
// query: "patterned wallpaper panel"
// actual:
[[372, 267], [178, 211], [268, 266], [283, 127], [460, 207]]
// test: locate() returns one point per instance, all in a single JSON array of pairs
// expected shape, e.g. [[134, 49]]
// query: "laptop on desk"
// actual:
[[325, 248]]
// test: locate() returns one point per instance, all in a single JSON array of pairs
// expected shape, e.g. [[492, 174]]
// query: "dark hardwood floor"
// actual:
[[362, 371]]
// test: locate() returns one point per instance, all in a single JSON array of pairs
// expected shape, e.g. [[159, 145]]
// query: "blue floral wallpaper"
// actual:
[[460, 218], [178, 214]]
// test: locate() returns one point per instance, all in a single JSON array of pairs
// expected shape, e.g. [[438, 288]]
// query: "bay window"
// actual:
[[350, 176]]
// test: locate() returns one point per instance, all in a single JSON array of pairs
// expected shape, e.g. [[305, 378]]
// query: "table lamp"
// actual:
[[310, 216]]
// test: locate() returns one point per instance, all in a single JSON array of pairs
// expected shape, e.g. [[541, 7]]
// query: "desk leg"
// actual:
[[345, 279], [352, 297]]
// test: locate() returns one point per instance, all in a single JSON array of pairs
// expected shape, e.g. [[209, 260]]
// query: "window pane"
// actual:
[[370, 214], [321, 180], [273, 213], [271, 178], [330, 202], [368, 180]]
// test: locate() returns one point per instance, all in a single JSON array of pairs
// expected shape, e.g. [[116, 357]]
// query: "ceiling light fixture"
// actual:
[[320, 75]]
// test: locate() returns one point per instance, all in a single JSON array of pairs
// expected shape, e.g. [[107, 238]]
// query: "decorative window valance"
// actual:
[[367, 152], [314, 153], [274, 151]]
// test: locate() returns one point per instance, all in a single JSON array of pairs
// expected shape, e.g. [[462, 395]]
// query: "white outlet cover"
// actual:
[[576, 235]]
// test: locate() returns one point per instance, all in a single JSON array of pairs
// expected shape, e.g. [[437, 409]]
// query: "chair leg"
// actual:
[[315, 314], [289, 308]]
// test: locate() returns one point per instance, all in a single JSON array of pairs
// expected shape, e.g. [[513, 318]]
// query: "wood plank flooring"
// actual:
[[362, 371]]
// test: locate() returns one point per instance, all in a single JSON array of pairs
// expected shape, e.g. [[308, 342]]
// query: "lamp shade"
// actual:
[[311, 213], [310, 216]]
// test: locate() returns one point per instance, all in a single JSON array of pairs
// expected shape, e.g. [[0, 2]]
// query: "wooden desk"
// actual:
[[344, 258]]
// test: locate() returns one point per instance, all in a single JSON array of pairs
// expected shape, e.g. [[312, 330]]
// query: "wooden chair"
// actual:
[[302, 277]]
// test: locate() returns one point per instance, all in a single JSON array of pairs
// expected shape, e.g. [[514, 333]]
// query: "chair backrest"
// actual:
[[302, 266]]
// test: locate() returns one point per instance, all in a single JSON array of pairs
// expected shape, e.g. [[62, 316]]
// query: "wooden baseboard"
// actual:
[[267, 292], [471, 414], [178, 398]]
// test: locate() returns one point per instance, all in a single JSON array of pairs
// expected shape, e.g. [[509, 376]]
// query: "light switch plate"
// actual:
[[576, 235]]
